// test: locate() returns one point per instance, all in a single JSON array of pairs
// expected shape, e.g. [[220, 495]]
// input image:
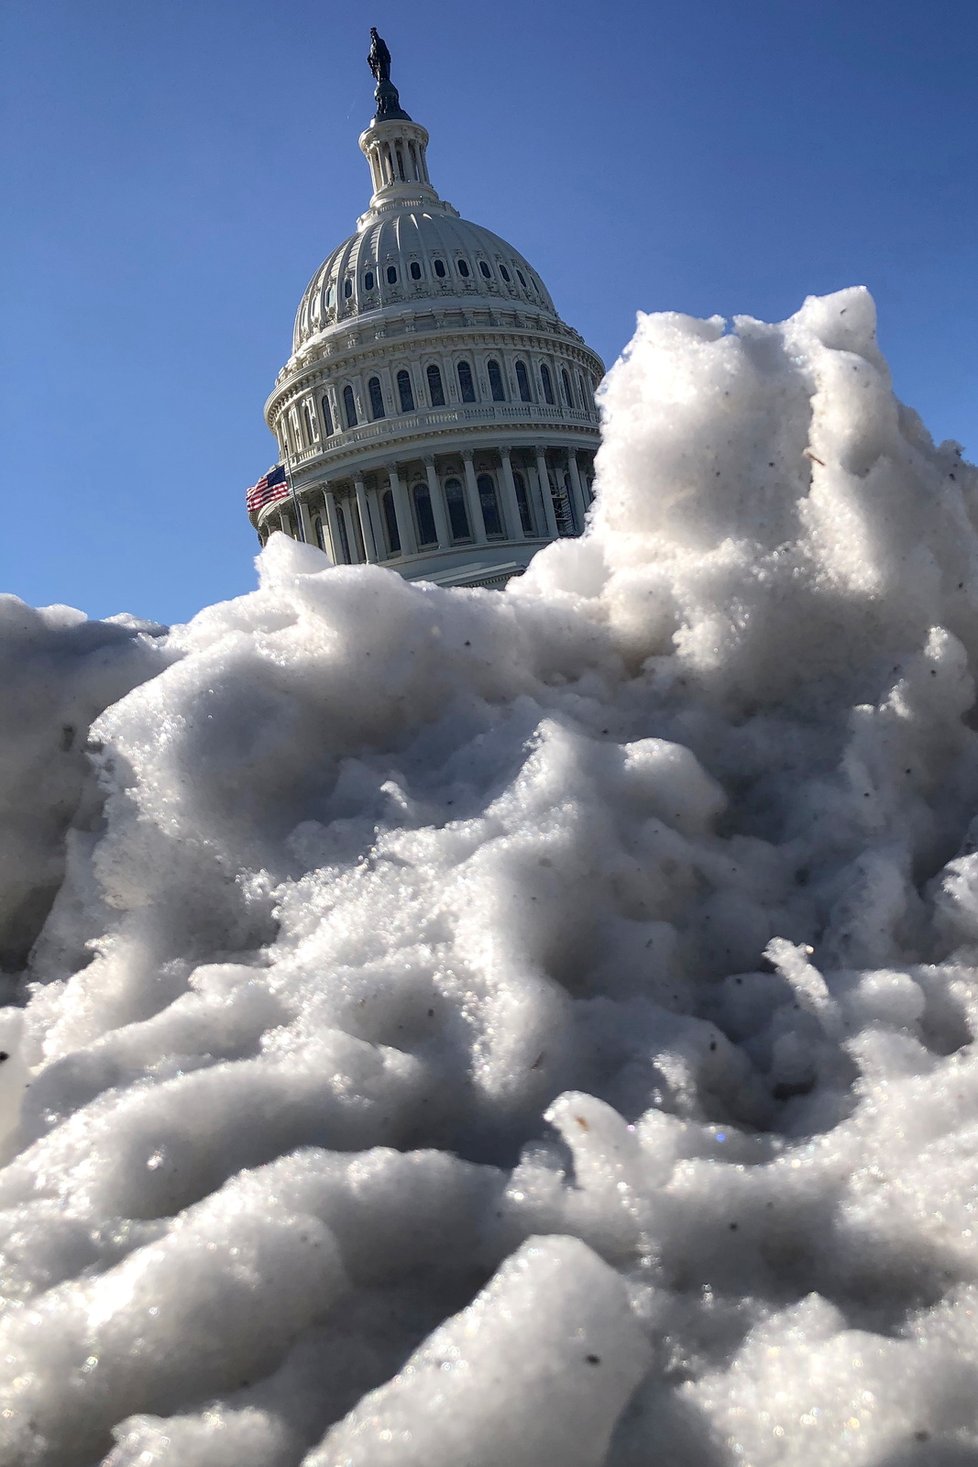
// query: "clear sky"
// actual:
[[174, 173]]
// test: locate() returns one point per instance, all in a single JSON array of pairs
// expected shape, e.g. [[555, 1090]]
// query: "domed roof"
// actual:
[[422, 252]]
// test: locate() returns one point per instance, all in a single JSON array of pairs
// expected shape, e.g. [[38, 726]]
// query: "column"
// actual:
[[548, 503], [437, 505], [285, 524], [335, 541], [402, 514], [515, 524], [577, 488], [366, 529], [476, 522]]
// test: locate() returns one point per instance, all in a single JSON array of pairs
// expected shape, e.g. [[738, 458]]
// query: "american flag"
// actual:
[[271, 486]]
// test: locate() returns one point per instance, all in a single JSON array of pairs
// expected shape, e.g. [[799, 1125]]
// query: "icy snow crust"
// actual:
[[529, 1028]]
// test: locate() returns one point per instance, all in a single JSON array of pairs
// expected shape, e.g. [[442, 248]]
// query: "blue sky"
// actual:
[[175, 173]]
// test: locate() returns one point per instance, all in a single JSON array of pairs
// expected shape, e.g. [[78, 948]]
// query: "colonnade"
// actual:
[[442, 502]]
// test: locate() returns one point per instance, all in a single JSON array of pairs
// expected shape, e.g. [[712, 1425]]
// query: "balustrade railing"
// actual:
[[437, 420]]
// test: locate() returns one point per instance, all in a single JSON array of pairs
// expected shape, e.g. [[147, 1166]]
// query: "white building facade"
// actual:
[[436, 415]]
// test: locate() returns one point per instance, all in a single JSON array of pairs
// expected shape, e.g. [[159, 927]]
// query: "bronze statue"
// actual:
[[379, 58]]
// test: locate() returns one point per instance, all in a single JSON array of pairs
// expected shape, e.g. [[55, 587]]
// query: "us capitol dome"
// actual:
[[436, 415]]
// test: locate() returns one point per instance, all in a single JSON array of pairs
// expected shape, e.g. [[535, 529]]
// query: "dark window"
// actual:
[[523, 382], [368, 280], [348, 287], [317, 529], [521, 278], [327, 416], [548, 386], [405, 392], [390, 523], [415, 270], [307, 416], [392, 275], [485, 269], [400, 163], [436, 392], [457, 517], [349, 407], [490, 506], [344, 537], [562, 507], [465, 384], [463, 269], [440, 269], [504, 273], [376, 398], [496, 382], [523, 501], [565, 383], [424, 518]]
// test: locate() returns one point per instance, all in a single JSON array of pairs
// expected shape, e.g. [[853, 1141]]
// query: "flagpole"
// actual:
[[288, 479]]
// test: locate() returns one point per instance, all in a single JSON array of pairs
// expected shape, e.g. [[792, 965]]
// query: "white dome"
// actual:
[[410, 255], [436, 415]]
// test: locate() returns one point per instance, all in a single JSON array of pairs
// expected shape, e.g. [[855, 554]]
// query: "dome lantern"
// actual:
[[393, 145]]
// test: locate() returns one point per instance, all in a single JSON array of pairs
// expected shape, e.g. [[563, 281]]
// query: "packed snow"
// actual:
[[524, 1029]]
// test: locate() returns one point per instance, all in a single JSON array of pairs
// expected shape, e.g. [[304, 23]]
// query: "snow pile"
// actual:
[[529, 1028]]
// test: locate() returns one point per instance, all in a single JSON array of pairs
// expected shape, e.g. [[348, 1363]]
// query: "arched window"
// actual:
[[489, 501], [368, 280], [496, 382], [436, 392], [466, 386], [522, 499], [485, 269], [344, 545], [504, 273], [349, 407], [523, 382], [522, 278], [463, 268], [327, 416], [376, 398], [405, 392], [565, 383], [440, 269], [423, 517], [317, 529], [548, 386], [392, 275], [307, 419], [457, 516], [415, 270], [390, 523], [563, 512], [347, 288]]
